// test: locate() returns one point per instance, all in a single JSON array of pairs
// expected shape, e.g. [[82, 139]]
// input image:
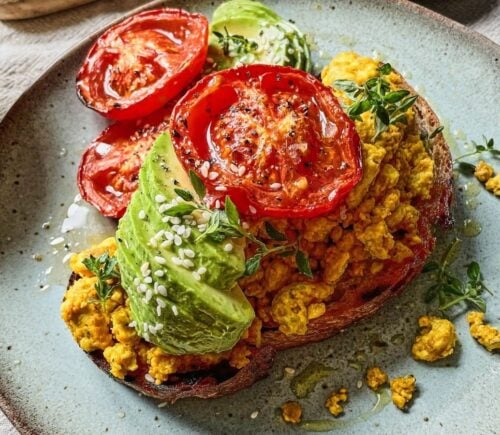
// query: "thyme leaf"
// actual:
[[387, 106], [451, 290], [234, 45]]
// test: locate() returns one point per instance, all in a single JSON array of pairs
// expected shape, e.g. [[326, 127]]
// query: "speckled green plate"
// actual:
[[47, 385]]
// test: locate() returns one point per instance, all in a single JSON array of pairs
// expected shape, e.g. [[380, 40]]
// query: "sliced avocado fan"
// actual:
[[247, 32], [183, 292]]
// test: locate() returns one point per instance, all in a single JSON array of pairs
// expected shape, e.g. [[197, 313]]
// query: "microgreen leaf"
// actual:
[[436, 131], [252, 264], [234, 43], [303, 263], [395, 96], [385, 69], [474, 271], [184, 194], [430, 267], [231, 211], [273, 233], [466, 168], [197, 183], [181, 209]]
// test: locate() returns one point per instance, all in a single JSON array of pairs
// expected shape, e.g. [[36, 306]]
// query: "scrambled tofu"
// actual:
[[75, 262], [483, 171], [486, 335], [375, 378], [493, 185], [291, 412], [374, 231], [334, 402], [486, 174], [402, 390], [437, 339], [122, 359]]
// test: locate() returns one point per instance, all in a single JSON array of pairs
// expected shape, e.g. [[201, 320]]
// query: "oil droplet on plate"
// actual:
[[472, 189], [470, 228]]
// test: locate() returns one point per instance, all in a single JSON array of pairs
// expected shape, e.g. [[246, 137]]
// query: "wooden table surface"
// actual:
[[28, 47]]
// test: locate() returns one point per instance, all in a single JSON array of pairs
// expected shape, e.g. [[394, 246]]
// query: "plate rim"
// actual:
[[21, 424]]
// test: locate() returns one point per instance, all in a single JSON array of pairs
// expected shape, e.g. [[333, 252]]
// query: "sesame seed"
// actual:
[[162, 290], [160, 198], [196, 276], [332, 195], [275, 186], [228, 247], [220, 188], [153, 242], [160, 260], [132, 324], [144, 268], [169, 235], [166, 244], [165, 219], [142, 288], [187, 263], [57, 241], [181, 254], [145, 335], [177, 240], [149, 378], [202, 270], [254, 415], [145, 326], [158, 311], [233, 167], [289, 370], [217, 204], [213, 175], [149, 294], [359, 384], [202, 227], [252, 209], [161, 303], [162, 405], [137, 281], [148, 279], [159, 273], [177, 261], [142, 215], [204, 169], [175, 220], [187, 233], [189, 253], [175, 310], [241, 170], [159, 326], [181, 230], [152, 329]]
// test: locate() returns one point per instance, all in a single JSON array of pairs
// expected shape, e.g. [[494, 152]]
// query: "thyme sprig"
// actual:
[[449, 289], [488, 146], [226, 223], [375, 95], [105, 268], [236, 44], [427, 137]]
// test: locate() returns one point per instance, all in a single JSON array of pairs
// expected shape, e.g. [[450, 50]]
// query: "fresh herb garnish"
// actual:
[[375, 96], [226, 223], [426, 138], [451, 290], [468, 168], [236, 44], [106, 271]]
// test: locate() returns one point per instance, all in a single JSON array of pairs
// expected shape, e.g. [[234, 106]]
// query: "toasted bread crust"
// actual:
[[361, 300]]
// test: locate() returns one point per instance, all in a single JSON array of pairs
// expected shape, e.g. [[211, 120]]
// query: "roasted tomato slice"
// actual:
[[273, 138], [135, 67], [109, 169]]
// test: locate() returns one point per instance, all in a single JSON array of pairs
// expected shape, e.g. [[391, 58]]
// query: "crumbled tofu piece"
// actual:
[[488, 336], [334, 402], [402, 390], [375, 378], [291, 412], [437, 339]]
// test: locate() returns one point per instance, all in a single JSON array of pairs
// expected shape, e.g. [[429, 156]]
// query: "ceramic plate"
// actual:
[[47, 385]]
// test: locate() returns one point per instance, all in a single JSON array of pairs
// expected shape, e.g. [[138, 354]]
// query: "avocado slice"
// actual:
[[259, 35], [175, 307]]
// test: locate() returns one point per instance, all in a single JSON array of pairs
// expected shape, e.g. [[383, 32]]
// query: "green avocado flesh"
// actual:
[[278, 42], [170, 306]]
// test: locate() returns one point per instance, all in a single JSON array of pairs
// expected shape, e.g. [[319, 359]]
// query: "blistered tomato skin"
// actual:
[[139, 65], [108, 173], [273, 138]]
